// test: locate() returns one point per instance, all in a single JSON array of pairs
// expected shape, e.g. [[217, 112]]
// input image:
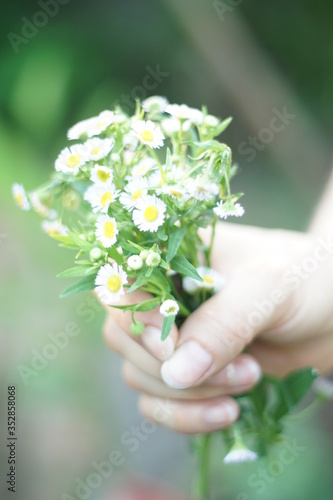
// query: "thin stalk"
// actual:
[[202, 485]]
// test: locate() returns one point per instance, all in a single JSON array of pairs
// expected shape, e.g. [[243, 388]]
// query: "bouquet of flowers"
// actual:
[[129, 195]]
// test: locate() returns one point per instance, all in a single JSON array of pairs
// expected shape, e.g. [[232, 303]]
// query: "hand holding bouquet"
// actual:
[[138, 199]]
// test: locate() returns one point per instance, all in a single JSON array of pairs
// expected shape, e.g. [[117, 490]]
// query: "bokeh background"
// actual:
[[240, 58]]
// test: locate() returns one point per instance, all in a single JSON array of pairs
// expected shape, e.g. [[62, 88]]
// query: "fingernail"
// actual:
[[151, 338], [243, 372], [222, 413], [186, 366]]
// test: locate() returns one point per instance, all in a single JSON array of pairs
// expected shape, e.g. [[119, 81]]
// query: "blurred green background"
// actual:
[[240, 58]]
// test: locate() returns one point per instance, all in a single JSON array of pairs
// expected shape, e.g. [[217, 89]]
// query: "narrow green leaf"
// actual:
[[182, 266], [175, 239], [147, 305], [115, 255], [168, 321], [75, 271], [221, 128], [86, 283]]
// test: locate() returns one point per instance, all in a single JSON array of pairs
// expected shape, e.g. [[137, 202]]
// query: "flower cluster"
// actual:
[[130, 195], [138, 188]]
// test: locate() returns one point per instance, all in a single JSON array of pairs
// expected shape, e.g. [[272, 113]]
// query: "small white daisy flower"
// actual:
[[54, 228], [149, 213], [239, 454], [172, 125], [227, 208], [101, 175], [130, 142], [98, 124], [148, 133], [155, 104], [134, 262], [153, 259], [20, 196], [211, 280], [40, 208], [155, 181], [143, 167], [81, 129], [106, 230], [134, 191], [323, 387], [110, 281], [71, 159], [184, 112], [97, 148], [202, 189], [169, 308], [100, 197], [175, 191]]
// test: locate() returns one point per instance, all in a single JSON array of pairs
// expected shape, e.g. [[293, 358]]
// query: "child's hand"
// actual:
[[279, 290]]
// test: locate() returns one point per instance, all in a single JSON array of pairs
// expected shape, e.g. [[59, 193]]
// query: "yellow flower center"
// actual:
[[136, 194], [101, 125], [53, 232], [171, 309], [105, 198], [95, 151], [73, 160], [114, 283], [151, 213], [103, 176], [208, 279], [109, 229], [177, 194], [147, 136], [19, 198]]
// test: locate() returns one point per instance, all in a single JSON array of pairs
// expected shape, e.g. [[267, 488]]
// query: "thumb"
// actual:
[[217, 332]]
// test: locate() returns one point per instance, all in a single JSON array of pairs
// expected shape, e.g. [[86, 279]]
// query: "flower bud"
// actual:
[[134, 262], [153, 259], [144, 254], [115, 158], [96, 254], [137, 328]]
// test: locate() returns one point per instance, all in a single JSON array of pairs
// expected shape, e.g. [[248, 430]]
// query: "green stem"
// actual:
[[202, 485], [211, 243]]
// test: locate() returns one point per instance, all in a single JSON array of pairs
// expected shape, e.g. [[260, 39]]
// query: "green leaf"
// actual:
[[291, 390], [175, 239], [161, 234], [86, 283], [147, 305], [182, 266], [140, 281], [77, 271], [221, 128], [168, 321], [115, 255], [81, 243]]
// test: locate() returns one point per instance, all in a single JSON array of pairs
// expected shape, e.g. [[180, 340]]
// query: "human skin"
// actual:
[[277, 304]]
